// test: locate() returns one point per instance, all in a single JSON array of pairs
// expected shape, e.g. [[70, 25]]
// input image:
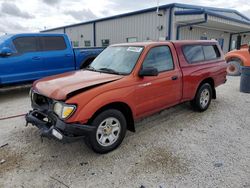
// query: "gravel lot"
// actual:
[[175, 148]]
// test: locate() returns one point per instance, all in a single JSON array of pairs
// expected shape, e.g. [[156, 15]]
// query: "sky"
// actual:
[[17, 16]]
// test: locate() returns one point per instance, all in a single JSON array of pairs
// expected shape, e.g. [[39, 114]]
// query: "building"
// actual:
[[168, 22]]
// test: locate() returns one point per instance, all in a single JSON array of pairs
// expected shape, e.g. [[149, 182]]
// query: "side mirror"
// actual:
[[5, 51], [148, 71]]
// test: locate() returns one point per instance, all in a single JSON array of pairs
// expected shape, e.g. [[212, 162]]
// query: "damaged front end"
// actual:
[[50, 124]]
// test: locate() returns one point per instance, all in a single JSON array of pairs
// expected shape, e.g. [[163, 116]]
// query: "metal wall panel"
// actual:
[[174, 22], [55, 31], [81, 33], [144, 26], [189, 18], [147, 26]]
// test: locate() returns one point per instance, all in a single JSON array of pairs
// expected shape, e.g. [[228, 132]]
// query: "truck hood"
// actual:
[[60, 87]]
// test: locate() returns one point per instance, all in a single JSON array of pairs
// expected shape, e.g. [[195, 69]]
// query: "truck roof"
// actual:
[[180, 42], [185, 42], [32, 34]]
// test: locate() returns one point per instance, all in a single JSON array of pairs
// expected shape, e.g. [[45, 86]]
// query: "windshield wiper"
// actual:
[[108, 70], [91, 68]]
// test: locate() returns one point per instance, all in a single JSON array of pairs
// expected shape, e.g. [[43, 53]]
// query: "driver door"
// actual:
[[154, 93], [24, 64]]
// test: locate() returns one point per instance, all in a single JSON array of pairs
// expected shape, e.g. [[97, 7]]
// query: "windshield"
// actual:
[[3, 39], [116, 60]]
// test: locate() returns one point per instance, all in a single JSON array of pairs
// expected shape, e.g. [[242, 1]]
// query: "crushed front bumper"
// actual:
[[51, 126]]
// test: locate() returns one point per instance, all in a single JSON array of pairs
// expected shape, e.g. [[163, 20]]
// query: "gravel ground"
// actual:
[[175, 148]]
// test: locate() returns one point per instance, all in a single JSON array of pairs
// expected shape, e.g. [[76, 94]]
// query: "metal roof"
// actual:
[[212, 13]]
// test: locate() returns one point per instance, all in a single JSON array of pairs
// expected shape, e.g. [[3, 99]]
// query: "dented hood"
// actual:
[[60, 86]]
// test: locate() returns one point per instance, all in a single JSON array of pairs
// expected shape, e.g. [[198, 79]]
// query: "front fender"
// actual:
[[86, 111], [236, 56]]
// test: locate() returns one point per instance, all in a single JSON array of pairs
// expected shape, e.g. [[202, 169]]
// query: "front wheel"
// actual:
[[111, 127], [203, 98]]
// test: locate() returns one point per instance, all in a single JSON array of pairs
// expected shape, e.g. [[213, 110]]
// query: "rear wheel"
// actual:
[[233, 68], [110, 131], [203, 98]]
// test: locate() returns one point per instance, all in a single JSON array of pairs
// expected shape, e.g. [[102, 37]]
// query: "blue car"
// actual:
[[28, 57]]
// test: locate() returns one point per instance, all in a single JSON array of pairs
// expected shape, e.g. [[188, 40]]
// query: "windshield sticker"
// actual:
[[134, 49]]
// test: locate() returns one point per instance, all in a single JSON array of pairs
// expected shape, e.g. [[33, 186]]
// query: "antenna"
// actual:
[[157, 10]]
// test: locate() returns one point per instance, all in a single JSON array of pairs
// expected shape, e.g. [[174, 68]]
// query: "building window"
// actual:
[[131, 39], [203, 38], [87, 43], [75, 43], [105, 42]]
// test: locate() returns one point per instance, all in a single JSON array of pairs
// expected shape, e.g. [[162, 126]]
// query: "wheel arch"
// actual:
[[239, 59], [210, 81], [122, 107]]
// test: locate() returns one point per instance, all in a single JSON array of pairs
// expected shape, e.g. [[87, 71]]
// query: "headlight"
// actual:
[[31, 91], [31, 94], [58, 107], [64, 110]]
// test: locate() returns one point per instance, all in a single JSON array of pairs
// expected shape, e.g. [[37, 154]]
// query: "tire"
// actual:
[[202, 98], [111, 127], [233, 68]]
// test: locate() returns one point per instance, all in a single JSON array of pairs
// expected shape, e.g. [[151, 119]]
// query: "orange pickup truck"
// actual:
[[237, 58], [125, 83]]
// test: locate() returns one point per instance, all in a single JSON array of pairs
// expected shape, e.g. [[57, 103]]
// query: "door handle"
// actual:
[[174, 77], [68, 55], [36, 58]]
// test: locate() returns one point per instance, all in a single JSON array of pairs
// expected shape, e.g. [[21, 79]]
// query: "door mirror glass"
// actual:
[[5, 51], [148, 71]]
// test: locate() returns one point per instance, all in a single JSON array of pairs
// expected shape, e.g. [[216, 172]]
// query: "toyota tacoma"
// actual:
[[126, 82]]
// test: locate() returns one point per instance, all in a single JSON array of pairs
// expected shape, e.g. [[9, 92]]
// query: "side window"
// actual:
[[211, 52], [26, 44], [159, 58], [193, 53], [53, 43]]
